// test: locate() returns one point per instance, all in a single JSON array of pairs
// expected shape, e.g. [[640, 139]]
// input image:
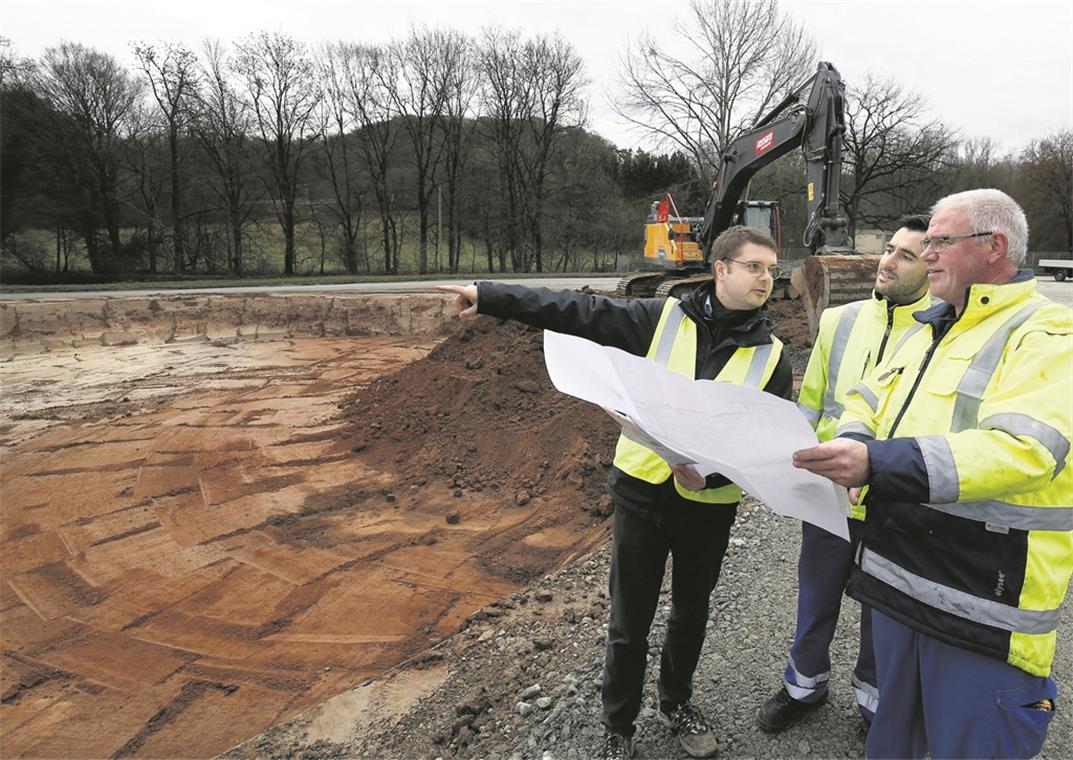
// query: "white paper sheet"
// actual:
[[744, 434]]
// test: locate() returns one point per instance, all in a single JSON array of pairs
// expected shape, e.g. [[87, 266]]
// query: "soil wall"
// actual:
[[43, 325]]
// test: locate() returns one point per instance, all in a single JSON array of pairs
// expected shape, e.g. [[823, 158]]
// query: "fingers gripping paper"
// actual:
[[744, 434]]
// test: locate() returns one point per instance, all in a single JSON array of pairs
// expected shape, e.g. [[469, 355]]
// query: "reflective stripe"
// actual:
[[906, 336], [807, 681], [1006, 515], [867, 694], [662, 357], [865, 392], [956, 602], [943, 482], [755, 375], [857, 427], [812, 415], [1021, 424], [970, 391], [800, 686], [834, 362]]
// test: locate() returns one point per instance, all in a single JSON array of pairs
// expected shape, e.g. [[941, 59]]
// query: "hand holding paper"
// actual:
[[745, 434]]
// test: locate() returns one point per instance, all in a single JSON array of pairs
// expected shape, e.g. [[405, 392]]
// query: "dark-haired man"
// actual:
[[852, 341], [718, 331]]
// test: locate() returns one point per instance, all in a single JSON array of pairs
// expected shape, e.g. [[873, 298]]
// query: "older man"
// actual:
[[968, 546], [852, 341]]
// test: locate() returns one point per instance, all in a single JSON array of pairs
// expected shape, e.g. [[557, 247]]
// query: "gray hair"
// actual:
[[991, 210]]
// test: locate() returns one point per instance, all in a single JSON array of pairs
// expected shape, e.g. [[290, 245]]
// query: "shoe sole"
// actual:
[[666, 721]]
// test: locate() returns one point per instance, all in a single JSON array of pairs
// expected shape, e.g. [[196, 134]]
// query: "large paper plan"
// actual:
[[742, 433]]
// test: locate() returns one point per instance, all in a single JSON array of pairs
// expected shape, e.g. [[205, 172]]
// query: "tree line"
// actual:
[[441, 152]]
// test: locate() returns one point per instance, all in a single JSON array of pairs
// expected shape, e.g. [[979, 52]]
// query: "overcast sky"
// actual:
[[989, 69]]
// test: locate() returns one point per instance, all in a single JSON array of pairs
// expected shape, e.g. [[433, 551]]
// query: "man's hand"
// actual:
[[687, 477], [842, 460], [465, 298]]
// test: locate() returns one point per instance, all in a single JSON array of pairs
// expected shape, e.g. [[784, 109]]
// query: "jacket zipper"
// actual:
[[886, 333]]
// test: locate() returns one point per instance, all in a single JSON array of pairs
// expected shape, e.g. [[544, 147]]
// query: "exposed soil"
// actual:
[[189, 562]]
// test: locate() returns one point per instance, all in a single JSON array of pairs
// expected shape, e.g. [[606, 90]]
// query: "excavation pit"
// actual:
[[219, 511]]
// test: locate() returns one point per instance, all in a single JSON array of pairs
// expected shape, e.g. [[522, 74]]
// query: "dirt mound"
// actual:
[[480, 414], [789, 321]]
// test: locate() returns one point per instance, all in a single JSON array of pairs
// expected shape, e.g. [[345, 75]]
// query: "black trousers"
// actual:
[[696, 537]]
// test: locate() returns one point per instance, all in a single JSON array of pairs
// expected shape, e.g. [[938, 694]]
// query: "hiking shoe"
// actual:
[[616, 747], [694, 733], [782, 711]]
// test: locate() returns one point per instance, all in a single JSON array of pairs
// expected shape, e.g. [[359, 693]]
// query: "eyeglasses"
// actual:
[[756, 268], [940, 243]]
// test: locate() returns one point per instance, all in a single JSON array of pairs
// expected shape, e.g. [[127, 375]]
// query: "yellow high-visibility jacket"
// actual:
[[674, 346], [969, 536], [852, 341]]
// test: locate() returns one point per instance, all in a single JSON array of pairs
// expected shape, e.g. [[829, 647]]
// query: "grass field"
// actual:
[[263, 259]]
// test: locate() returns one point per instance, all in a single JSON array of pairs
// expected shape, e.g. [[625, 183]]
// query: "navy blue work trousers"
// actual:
[[822, 572], [950, 702]]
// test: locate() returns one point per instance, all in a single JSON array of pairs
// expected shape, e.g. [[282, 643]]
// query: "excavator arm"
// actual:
[[810, 118]]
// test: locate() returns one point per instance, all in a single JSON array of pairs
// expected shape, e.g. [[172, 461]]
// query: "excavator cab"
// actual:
[[766, 216]]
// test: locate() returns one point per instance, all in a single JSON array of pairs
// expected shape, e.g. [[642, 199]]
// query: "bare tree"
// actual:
[[171, 70], [143, 158], [727, 62], [534, 92], [14, 69], [458, 123], [558, 105], [369, 67], [222, 125], [419, 96], [282, 88], [1048, 168], [337, 126], [892, 154], [506, 100], [97, 98]]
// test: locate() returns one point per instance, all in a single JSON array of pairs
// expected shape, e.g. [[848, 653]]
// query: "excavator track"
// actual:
[[679, 286], [639, 285]]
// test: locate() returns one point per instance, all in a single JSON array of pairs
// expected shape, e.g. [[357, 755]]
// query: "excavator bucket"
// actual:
[[832, 280]]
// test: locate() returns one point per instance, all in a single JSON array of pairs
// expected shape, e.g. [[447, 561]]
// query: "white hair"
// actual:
[[990, 210]]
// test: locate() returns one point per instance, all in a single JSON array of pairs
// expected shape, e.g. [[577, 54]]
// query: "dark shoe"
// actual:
[[694, 733], [782, 711], [616, 747]]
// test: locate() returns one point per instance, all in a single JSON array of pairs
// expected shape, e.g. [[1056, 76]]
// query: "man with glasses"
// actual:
[[718, 331], [852, 341], [963, 442]]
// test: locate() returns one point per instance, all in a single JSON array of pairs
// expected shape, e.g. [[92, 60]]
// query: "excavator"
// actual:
[[677, 248]]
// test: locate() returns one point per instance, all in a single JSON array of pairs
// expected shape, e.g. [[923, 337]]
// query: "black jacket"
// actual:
[[630, 325]]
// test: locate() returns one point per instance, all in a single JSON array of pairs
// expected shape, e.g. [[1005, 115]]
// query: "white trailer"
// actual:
[[1060, 268]]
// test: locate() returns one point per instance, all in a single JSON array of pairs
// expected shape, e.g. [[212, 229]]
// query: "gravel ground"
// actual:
[[524, 674]]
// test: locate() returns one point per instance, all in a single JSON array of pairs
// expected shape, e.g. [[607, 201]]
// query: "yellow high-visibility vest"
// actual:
[[674, 346]]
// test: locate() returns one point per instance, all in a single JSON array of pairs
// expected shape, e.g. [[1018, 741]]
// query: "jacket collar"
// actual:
[[904, 314], [729, 326], [981, 301]]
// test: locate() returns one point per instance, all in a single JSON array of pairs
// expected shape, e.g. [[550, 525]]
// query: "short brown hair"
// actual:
[[733, 238]]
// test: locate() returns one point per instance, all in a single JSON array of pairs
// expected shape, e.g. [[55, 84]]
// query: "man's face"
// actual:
[[961, 264], [903, 275], [737, 286]]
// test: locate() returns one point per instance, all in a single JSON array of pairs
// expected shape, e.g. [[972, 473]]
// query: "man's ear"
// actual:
[[997, 246]]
